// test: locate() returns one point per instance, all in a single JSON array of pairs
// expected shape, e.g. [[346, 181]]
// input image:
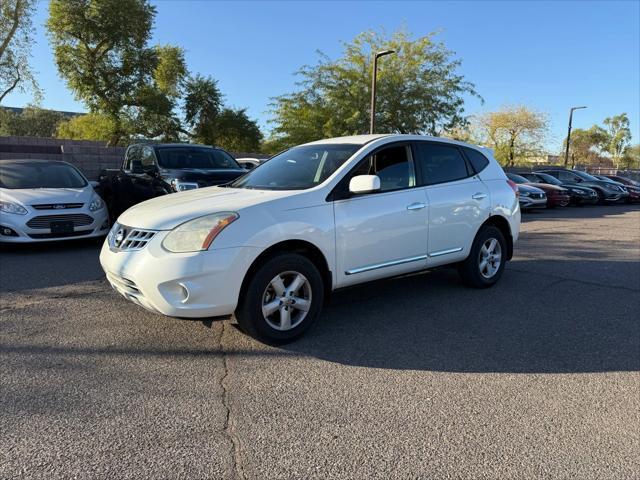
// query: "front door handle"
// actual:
[[416, 206], [479, 196]]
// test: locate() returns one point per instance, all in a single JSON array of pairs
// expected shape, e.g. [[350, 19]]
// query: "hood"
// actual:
[[35, 196], [201, 176], [169, 211], [548, 188], [529, 188]]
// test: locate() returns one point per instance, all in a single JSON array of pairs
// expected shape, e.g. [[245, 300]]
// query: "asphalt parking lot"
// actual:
[[415, 377]]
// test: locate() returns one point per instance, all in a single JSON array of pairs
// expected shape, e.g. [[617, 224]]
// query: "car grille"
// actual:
[[60, 235], [57, 206], [124, 285], [122, 237], [44, 221]]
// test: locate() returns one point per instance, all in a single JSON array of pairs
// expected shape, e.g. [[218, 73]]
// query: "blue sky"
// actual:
[[549, 55]]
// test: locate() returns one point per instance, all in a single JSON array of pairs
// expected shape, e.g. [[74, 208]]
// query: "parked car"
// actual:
[[149, 171], [556, 196], [578, 195], [531, 197], [317, 217], [607, 192], [634, 191], [249, 163], [44, 200]]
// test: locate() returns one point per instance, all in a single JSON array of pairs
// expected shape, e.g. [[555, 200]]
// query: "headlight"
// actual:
[[10, 207], [198, 234], [524, 194], [180, 186], [96, 203]]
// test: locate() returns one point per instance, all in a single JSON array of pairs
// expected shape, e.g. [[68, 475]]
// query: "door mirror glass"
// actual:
[[364, 184]]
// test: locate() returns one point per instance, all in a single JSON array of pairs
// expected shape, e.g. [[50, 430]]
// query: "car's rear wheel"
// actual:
[[485, 263], [282, 300]]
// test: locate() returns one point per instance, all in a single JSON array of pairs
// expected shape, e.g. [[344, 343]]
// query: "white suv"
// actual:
[[270, 246]]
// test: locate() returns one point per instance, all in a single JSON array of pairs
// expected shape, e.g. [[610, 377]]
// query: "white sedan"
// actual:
[[43, 200], [270, 246]]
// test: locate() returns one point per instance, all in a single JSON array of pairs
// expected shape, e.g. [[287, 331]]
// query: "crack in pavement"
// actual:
[[229, 423]]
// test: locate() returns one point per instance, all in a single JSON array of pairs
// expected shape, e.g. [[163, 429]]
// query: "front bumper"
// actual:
[[23, 233], [558, 200], [191, 285]]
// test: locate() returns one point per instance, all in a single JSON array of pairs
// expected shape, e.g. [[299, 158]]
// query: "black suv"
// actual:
[[149, 171], [607, 191]]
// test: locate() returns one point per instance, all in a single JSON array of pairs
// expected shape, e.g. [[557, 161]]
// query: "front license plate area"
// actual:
[[61, 227]]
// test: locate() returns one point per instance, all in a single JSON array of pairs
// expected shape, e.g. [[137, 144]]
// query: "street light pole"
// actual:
[[566, 153], [374, 74]]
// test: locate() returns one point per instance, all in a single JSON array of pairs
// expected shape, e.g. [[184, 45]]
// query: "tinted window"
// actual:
[[40, 175], [147, 158], [298, 168], [546, 178], [517, 178], [133, 154], [440, 163], [391, 165], [188, 157], [565, 176], [478, 160]]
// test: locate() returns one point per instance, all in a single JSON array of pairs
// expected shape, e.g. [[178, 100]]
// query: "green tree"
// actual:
[[31, 122], [631, 156], [586, 145], [16, 38], [419, 91], [92, 126], [619, 135], [101, 50], [514, 133], [211, 123]]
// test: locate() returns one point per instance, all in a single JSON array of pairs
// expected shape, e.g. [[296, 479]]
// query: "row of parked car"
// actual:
[[558, 187], [45, 200]]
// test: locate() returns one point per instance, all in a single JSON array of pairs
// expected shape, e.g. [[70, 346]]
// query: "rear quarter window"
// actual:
[[478, 161]]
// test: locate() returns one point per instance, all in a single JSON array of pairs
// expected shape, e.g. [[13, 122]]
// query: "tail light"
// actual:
[[514, 187]]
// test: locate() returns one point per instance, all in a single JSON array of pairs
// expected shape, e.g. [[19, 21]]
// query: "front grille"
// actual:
[[56, 206], [123, 284], [44, 221], [122, 237], [60, 235]]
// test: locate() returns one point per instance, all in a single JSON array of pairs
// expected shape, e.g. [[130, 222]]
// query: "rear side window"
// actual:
[[440, 163], [478, 161]]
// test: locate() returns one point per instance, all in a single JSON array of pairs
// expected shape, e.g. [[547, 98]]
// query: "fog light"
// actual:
[[7, 232]]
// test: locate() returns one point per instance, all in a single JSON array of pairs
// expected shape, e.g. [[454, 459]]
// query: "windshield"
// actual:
[[201, 158], [22, 175], [585, 176], [549, 178], [298, 168], [517, 178]]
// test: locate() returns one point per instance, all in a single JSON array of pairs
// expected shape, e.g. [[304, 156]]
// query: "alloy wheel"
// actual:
[[489, 258], [286, 300]]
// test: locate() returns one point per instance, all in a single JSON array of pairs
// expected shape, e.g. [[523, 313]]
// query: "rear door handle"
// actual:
[[416, 206], [479, 196]]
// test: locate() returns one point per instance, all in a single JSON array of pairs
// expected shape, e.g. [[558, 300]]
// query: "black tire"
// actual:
[[469, 269], [249, 312], [600, 197]]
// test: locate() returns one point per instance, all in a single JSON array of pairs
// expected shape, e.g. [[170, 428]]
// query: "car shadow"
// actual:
[[528, 323]]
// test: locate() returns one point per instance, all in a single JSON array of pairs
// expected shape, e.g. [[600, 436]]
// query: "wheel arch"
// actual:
[[502, 224], [301, 247]]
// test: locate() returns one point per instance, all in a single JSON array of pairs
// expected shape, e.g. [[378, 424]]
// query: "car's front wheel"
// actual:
[[282, 299], [485, 263]]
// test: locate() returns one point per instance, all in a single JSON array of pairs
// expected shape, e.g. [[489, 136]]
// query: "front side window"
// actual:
[[567, 177], [298, 168], [22, 175], [148, 159], [199, 158], [391, 165], [440, 163], [133, 155]]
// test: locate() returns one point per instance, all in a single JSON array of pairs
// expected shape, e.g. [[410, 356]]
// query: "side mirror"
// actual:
[[136, 167], [94, 184], [364, 184]]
